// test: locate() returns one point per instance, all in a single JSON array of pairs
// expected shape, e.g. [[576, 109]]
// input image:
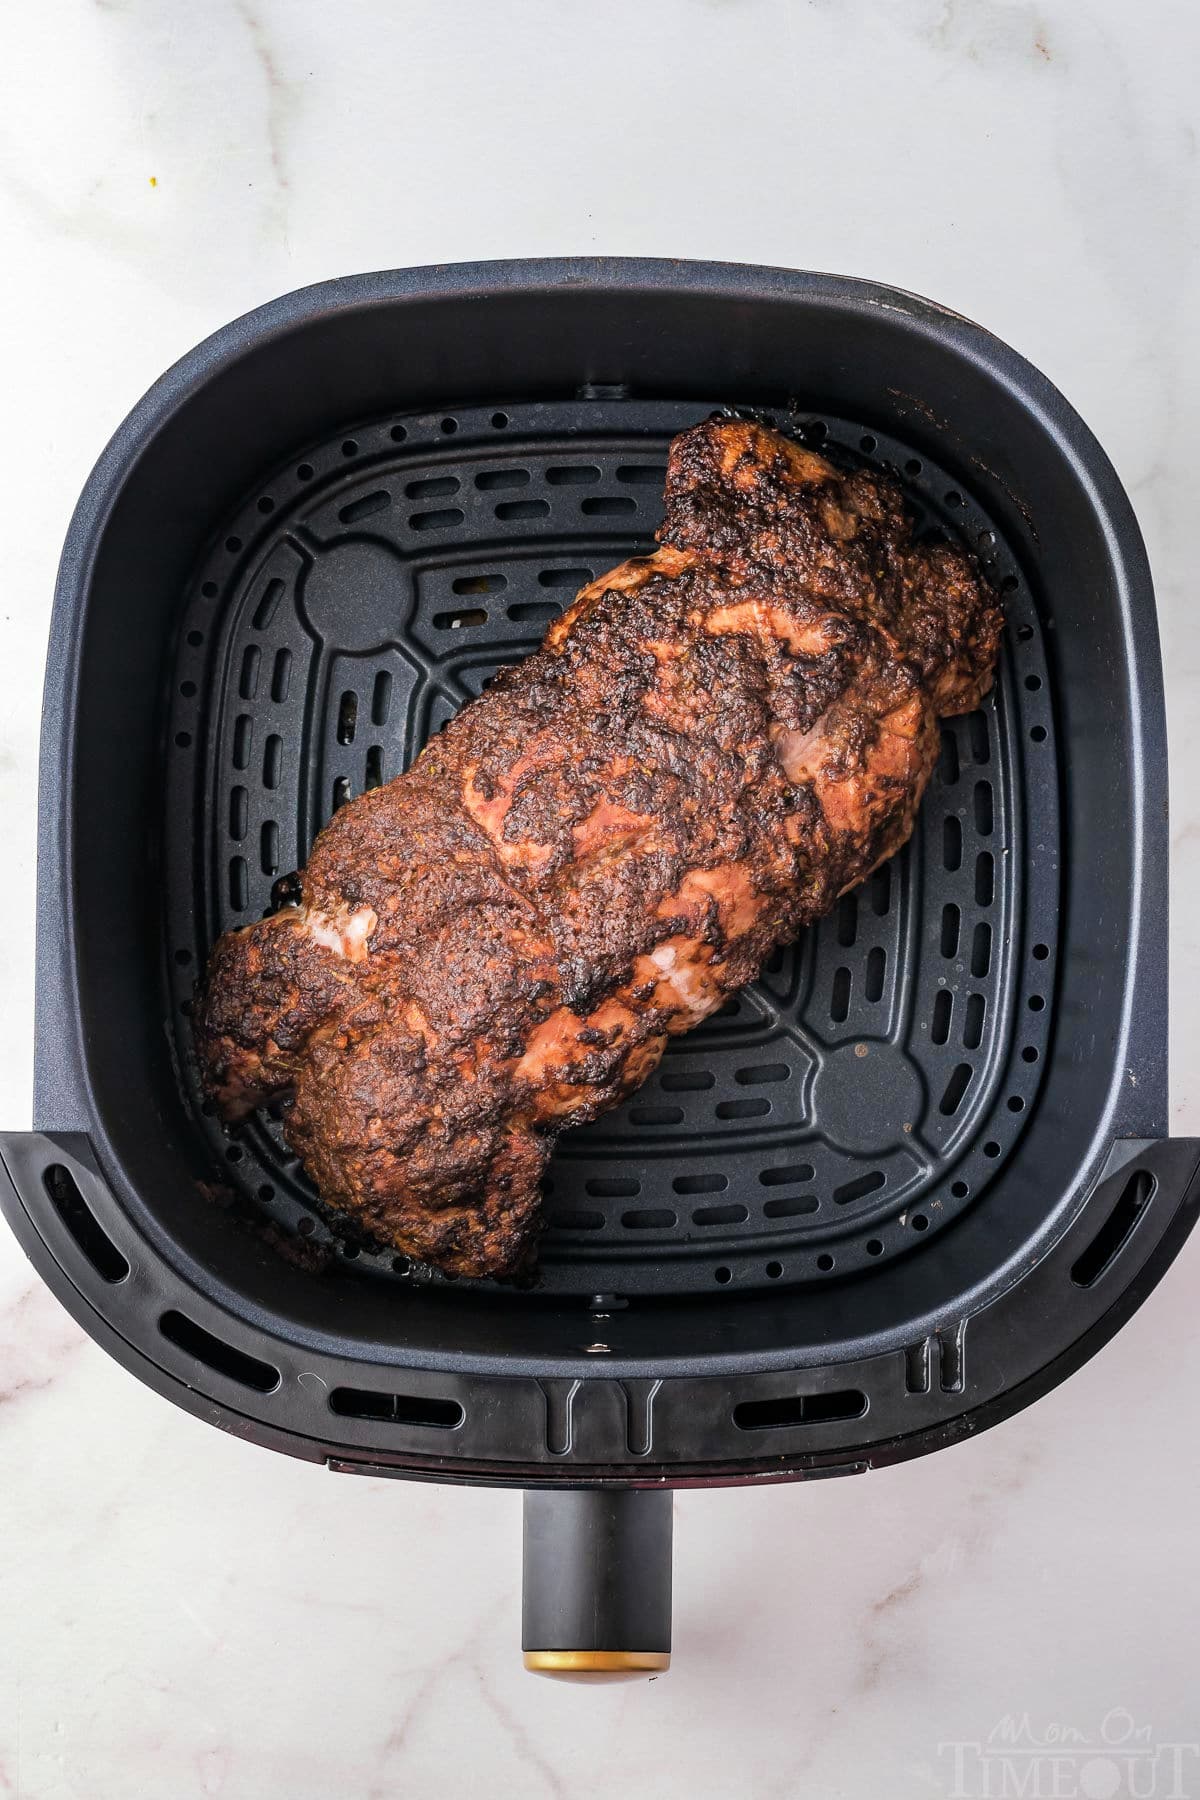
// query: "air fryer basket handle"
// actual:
[[597, 1582]]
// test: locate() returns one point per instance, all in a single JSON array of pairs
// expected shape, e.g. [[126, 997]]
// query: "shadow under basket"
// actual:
[[905, 1183]]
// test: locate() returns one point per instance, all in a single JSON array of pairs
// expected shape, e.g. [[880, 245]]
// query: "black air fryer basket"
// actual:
[[889, 1195]]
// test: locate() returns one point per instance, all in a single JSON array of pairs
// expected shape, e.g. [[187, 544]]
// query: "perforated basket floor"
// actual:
[[842, 1110]]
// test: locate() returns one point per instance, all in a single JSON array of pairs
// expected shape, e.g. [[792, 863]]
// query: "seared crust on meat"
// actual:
[[712, 744]]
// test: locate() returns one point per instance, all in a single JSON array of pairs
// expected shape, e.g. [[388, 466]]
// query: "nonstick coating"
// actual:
[[871, 1085]]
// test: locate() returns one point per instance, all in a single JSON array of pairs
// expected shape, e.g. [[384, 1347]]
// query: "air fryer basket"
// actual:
[[898, 1188]]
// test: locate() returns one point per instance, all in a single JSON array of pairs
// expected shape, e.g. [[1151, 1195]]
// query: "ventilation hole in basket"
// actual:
[[183, 739], [788, 1175], [951, 843], [991, 1149], [943, 1006], [238, 801], [1015, 1103], [874, 1247], [269, 847], [306, 1227], [264, 612], [209, 590], [612, 1187], [951, 922], [773, 1271], [396, 1409], [1033, 683], [183, 958], [350, 447], [432, 485], [956, 1087], [266, 504], [985, 879], [881, 890], [564, 578], [374, 769], [304, 472], [523, 509], [461, 620], [1009, 585], [266, 1191], [700, 1184], [948, 758], [398, 434], [760, 1073], [977, 736], [489, 479], [377, 502], [1029, 1054], [867, 445], [186, 1008], [686, 1081], [608, 504], [981, 951], [575, 1218], [642, 474], [912, 466], [1024, 633], [341, 792], [723, 1275], [774, 962], [234, 1153], [351, 1253], [873, 979], [233, 545], [83, 1224], [223, 1358], [847, 920], [449, 427], [954, 498], [649, 1218], [1036, 1003], [959, 1189], [1116, 1230], [272, 761], [347, 717], [839, 1003], [1041, 952], [790, 1206], [401, 1265], [720, 1215], [436, 521], [859, 1187], [479, 584], [533, 612], [973, 1021], [743, 1109], [983, 808], [815, 431], [573, 475], [281, 675], [195, 639], [248, 680], [243, 739], [381, 698], [499, 421], [824, 1262], [1038, 734]]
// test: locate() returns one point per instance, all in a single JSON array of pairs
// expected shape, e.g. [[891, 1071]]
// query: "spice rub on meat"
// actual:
[[713, 743]]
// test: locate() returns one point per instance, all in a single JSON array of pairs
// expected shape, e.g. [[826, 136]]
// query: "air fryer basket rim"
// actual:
[[606, 1450]]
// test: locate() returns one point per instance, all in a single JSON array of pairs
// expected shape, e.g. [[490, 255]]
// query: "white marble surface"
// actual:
[[181, 1615]]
